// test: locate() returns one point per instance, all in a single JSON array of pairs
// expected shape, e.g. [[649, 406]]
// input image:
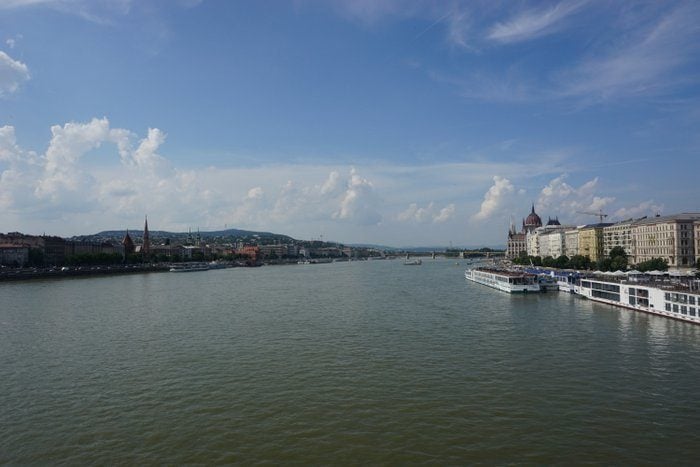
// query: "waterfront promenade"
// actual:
[[20, 274]]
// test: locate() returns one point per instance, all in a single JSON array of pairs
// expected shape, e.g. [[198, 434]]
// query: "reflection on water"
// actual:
[[356, 362]]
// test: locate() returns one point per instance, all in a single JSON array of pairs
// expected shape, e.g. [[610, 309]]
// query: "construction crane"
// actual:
[[600, 214]]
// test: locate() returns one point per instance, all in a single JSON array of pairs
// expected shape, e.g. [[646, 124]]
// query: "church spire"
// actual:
[[146, 249], [128, 245]]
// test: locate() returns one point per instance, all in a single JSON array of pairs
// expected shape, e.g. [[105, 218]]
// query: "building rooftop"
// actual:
[[685, 216], [598, 225]]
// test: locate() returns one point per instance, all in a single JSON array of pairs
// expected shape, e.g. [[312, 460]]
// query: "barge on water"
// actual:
[[503, 280]]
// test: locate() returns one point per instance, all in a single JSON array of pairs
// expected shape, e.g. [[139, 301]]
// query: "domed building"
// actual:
[[517, 241], [532, 221]]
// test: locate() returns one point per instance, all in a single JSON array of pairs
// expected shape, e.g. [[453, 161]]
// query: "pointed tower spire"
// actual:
[[128, 244], [146, 249]]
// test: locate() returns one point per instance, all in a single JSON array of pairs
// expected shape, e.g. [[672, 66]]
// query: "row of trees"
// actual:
[[562, 262], [617, 260]]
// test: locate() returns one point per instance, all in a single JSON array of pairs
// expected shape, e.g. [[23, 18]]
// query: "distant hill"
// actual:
[[230, 235]]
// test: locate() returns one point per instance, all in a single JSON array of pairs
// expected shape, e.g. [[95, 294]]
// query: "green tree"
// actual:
[[580, 262], [617, 251], [604, 264], [36, 257], [618, 259], [618, 263], [562, 262], [197, 256], [653, 264]]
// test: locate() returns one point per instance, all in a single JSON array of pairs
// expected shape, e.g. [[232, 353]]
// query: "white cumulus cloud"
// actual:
[[9, 150], [145, 155], [645, 208], [255, 193], [493, 198], [359, 202], [426, 214], [566, 201], [12, 74], [445, 214], [332, 184], [68, 177]]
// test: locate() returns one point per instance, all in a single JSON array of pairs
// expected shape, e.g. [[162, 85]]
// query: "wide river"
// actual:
[[346, 363]]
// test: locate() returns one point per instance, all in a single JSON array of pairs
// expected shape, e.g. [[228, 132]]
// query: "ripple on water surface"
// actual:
[[341, 363]]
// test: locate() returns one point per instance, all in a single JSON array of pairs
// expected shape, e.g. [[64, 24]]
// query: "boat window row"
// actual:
[[639, 301], [484, 278], [639, 292], [682, 309], [491, 278], [606, 295], [601, 286], [682, 298], [522, 280]]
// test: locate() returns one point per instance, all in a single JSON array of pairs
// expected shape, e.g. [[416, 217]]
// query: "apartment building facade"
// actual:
[[618, 235], [590, 240], [571, 243], [671, 238]]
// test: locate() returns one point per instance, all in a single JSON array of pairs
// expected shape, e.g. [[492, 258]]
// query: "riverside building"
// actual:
[[517, 241], [674, 238], [618, 235], [548, 240], [590, 240], [571, 242], [671, 238]]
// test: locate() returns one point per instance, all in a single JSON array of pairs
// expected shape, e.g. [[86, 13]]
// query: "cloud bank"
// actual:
[[92, 169], [93, 176]]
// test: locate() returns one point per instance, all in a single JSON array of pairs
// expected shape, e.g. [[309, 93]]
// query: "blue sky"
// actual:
[[394, 122]]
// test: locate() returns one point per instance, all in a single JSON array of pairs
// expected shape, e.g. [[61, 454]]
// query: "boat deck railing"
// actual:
[[504, 272]]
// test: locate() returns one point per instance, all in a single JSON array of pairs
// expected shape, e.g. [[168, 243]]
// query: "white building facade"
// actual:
[[671, 238], [619, 234], [571, 242]]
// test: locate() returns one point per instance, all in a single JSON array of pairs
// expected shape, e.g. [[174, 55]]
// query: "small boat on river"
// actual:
[[412, 262]]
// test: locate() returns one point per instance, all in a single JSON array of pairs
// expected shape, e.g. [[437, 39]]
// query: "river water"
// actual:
[[345, 363]]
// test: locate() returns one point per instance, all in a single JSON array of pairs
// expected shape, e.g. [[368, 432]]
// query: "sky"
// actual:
[[394, 122]]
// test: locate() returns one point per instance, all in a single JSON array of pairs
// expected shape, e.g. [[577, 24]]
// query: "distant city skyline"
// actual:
[[385, 122]]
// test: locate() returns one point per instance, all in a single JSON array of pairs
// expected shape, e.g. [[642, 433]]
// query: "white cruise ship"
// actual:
[[672, 302], [506, 281]]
